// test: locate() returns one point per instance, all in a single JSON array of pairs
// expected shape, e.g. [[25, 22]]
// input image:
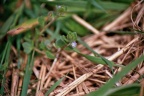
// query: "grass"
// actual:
[[37, 56]]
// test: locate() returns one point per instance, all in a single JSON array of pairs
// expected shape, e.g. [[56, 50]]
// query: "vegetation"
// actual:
[[71, 47]]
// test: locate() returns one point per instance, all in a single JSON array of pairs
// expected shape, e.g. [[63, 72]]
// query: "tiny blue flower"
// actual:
[[58, 6], [74, 44]]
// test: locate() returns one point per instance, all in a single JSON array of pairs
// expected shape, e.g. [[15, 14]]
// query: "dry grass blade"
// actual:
[[53, 65], [85, 24], [74, 84], [135, 76], [15, 80], [114, 56], [120, 20], [139, 16]]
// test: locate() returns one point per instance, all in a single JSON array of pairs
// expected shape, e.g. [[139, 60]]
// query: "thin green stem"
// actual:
[[46, 26]]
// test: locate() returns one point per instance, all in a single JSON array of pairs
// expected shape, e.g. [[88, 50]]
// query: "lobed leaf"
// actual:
[[50, 54], [28, 47], [41, 21]]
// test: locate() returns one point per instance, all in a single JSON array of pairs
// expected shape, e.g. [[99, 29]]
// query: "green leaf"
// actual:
[[28, 37], [28, 47], [74, 36], [41, 21], [71, 36], [64, 39], [104, 89], [50, 55], [60, 43], [37, 33], [42, 46], [54, 86], [46, 42]]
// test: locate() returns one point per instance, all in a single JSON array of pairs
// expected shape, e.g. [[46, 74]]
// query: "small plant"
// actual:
[[42, 50], [68, 40]]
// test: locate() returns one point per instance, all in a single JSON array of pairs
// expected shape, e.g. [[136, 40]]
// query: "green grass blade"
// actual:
[[6, 26], [96, 5], [28, 73], [102, 5], [111, 64], [2, 87], [66, 3], [4, 67], [18, 46], [125, 90], [96, 54], [93, 59], [103, 90], [108, 5], [128, 32], [54, 86], [4, 54], [18, 14], [86, 45]]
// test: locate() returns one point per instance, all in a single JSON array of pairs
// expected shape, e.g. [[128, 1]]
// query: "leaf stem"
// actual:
[[46, 26]]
